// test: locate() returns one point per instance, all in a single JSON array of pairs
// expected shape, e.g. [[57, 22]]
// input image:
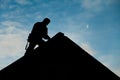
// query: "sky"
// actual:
[[93, 24]]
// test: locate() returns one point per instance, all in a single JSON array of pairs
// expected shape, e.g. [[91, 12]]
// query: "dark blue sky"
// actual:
[[92, 24]]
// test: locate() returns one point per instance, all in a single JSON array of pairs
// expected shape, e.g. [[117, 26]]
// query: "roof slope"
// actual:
[[59, 59]]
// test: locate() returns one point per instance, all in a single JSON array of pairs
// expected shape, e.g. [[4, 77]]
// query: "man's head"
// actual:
[[46, 21]]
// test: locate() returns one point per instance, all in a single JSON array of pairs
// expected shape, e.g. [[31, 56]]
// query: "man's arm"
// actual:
[[46, 35]]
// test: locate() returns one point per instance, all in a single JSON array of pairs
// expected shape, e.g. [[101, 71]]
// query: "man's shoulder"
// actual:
[[38, 23]]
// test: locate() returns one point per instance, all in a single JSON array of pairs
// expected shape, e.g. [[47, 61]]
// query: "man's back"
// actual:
[[39, 29]]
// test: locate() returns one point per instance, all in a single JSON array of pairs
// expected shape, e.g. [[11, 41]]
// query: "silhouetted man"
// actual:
[[37, 34]]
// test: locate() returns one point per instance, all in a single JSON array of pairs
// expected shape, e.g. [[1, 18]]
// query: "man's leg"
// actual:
[[30, 48]]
